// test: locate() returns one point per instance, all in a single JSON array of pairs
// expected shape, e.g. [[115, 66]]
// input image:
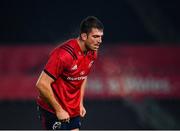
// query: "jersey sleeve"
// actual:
[[54, 66]]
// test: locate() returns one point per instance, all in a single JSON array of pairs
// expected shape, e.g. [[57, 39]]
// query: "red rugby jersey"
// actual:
[[68, 66]]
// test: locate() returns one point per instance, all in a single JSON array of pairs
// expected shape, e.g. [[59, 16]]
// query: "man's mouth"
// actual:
[[96, 47]]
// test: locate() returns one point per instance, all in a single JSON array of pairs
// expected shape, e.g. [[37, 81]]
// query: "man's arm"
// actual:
[[82, 109], [44, 87]]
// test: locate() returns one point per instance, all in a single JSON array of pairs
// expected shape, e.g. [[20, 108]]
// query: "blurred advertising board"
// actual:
[[119, 72]]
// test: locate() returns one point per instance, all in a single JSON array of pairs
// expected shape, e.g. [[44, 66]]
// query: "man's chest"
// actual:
[[80, 66]]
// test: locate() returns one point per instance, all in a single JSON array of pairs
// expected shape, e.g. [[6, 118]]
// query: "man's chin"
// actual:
[[93, 49]]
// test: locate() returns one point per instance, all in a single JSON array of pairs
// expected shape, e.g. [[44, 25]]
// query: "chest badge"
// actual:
[[90, 64], [74, 67]]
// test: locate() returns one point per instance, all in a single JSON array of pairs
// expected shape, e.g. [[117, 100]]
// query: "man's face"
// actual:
[[94, 39]]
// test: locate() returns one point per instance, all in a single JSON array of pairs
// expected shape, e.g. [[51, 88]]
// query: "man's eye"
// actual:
[[95, 36]]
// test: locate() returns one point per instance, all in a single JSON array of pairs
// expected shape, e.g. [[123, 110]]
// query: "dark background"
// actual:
[[126, 22], [131, 21]]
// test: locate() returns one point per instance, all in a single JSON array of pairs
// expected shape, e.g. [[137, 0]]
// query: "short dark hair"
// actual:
[[90, 22]]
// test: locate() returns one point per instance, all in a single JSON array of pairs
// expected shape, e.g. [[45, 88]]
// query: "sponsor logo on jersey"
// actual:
[[76, 78]]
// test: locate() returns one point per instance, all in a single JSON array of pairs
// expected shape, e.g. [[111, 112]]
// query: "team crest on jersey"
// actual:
[[90, 64], [74, 67]]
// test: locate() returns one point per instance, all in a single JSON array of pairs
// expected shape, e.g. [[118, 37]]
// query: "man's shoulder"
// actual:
[[67, 50], [71, 43], [69, 47]]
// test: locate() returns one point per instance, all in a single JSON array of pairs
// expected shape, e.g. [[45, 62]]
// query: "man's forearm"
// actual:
[[83, 86], [47, 94], [44, 86]]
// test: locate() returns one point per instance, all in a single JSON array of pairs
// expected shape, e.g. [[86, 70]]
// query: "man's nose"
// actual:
[[100, 40]]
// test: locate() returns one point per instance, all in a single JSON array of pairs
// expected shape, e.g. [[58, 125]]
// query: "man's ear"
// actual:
[[84, 36]]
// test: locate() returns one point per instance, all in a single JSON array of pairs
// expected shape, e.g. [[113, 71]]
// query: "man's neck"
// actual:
[[82, 45]]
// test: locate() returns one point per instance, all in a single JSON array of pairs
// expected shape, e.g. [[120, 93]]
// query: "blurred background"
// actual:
[[135, 83]]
